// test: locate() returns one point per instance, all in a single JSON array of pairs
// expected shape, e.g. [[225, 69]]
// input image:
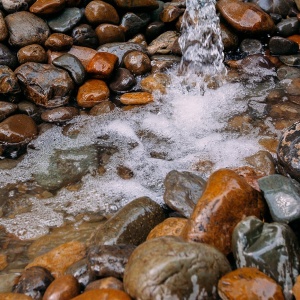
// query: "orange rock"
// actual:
[[295, 38], [226, 200], [296, 289], [14, 296], [103, 294], [98, 12], [105, 283], [3, 262], [248, 283], [47, 6], [60, 258], [109, 33], [34, 53], [92, 92], [84, 54], [136, 98], [102, 64], [170, 226], [59, 42]]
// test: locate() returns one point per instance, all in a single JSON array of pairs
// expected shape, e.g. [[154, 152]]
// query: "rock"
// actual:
[[59, 114], [280, 7], [163, 44], [59, 42], [131, 224], [137, 63], [98, 12], [182, 191], [14, 296], [6, 109], [3, 261], [154, 29], [229, 38], [296, 290], [288, 27], [32, 53], [63, 288], [7, 58], [170, 13], [248, 283], [72, 65], [245, 17], [122, 81], [156, 82], [3, 28], [84, 54], [104, 107], [137, 98], [137, 5], [282, 46], [169, 268], [92, 92], [30, 109], [12, 6], [133, 23], [67, 20], [33, 282], [109, 33], [103, 294], [226, 200], [109, 260], [105, 283], [170, 226], [295, 38], [60, 258], [84, 35], [45, 85], [251, 46], [262, 161], [272, 248], [45, 7], [102, 65], [9, 82], [283, 197], [17, 129], [290, 60], [25, 29]]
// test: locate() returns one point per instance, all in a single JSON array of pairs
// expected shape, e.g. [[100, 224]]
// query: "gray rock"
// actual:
[[251, 46], [7, 58], [287, 72], [288, 27], [170, 268], [282, 46], [290, 60], [16, 5]]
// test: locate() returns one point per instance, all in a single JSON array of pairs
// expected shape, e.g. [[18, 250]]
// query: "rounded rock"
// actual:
[[60, 114], [84, 35], [6, 109], [282, 46], [9, 81], [109, 33], [45, 7], [137, 98], [59, 42], [122, 81], [103, 294], [32, 53], [105, 283], [104, 107], [137, 62], [98, 12], [14, 296], [84, 54], [3, 28], [7, 58]]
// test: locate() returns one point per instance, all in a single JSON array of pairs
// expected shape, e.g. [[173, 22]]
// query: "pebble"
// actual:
[[103, 294], [280, 7], [282, 46], [14, 296], [296, 289], [141, 5], [7, 58], [84, 54], [12, 6], [45, 7], [3, 28], [98, 12], [170, 13], [163, 43], [109, 33], [7, 109], [84, 35], [288, 27], [105, 283], [104, 107], [132, 23], [136, 98], [157, 82], [59, 114], [229, 39], [122, 81], [32, 53], [138, 63], [9, 81], [154, 29], [290, 60], [59, 42]]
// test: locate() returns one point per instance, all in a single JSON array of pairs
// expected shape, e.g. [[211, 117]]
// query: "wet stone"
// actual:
[[34, 282], [262, 161], [3, 28], [163, 44], [45, 7], [286, 72], [84, 54], [282, 46], [137, 98], [280, 7], [103, 294], [169, 268], [104, 107], [182, 191], [170, 13], [65, 21], [134, 23], [229, 38], [140, 5], [109, 260], [59, 42], [272, 248], [9, 82], [6, 109], [72, 65], [84, 35], [161, 63], [290, 60], [12, 6], [32, 53], [251, 46], [45, 85], [137, 63], [154, 29], [296, 289], [25, 29], [157, 82], [105, 283], [60, 114], [122, 81], [28, 108], [14, 296], [248, 283], [7, 58], [131, 224], [109, 33], [63, 288], [288, 27]]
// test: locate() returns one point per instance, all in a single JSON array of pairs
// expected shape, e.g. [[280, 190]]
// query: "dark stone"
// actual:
[[288, 27], [276, 18], [134, 23], [122, 81], [8, 80], [286, 72], [73, 65], [251, 46], [109, 260], [59, 114], [102, 108], [7, 58], [281, 7], [34, 282], [6, 109], [282, 46], [272, 248], [155, 14], [84, 35], [229, 39], [137, 5], [291, 60], [154, 29], [182, 191], [29, 108]]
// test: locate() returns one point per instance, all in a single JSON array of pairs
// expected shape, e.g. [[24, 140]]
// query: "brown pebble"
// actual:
[[296, 289], [136, 98], [3, 262], [45, 7], [59, 42], [84, 54], [104, 107], [14, 296], [137, 62], [105, 283], [109, 33], [59, 114], [103, 294], [98, 12], [32, 53]]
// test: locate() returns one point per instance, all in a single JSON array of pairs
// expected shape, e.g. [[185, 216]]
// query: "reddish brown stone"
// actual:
[[105, 283], [170, 226], [14, 296], [63, 288], [156, 82], [296, 289], [92, 92], [245, 17], [3, 28], [98, 12], [170, 13], [226, 200], [295, 38], [59, 42], [136, 98], [84, 54], [104, 107], [3, 262], [59, 114], [248, 283], [33, 53], [102, 65], [47, 6], [109, 33], [137, 62], [104, 294]]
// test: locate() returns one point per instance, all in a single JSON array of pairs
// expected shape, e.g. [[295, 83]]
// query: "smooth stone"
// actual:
[[130, 225], [251, 46], [59, 114], [155, 14], [72, 65], [60, 258], [137, 5], [29, 108], [286, 72], [26, 28], [103, 294], [136, 98], [109, 33], [102, 65], [137, 62], [296, 289], [32, 53], [229, 39], [170, 268], [263, 162], [45, 7], [98, 12], [290, 60], [9, 81], [67, 20], [33, 282], [248, 283], [280, 7], [63, 288], [133, 23], [282, 46], [104, 107], [122, 81], [12, 6], [295, 38], [6, 109], [245, 17], [161, 63], [288, 27], [226, 200], [163, 44], [272, 248], [284, 110], [170, 226], [7, 58], [105, 283], [14, 296], [182, 191], [283, 197], [45, 85], [120, 49], [170, 13], [154, 29], [109, 260], [250, 175], [59, 42], [84, 54], [157, 82], [3, 28], [84, 35], [92, 92], [17, 129]]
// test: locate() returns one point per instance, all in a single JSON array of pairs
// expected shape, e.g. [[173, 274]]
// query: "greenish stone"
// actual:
[[272, 248]]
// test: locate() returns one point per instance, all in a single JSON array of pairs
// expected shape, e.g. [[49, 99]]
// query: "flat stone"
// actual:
[[12, 6], [45, 7], [136, 98], [103, 107], [3, 28], [9, 81], [169, 268], [109, 33], [288, 27], [137, 62], [122, 81], [103, 294], [145, 5], [59, 42], [32, 53], [7, 58], [98, 12], [282, 46], [163, 44], [84, 35], [59, 114], [105, 283]]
